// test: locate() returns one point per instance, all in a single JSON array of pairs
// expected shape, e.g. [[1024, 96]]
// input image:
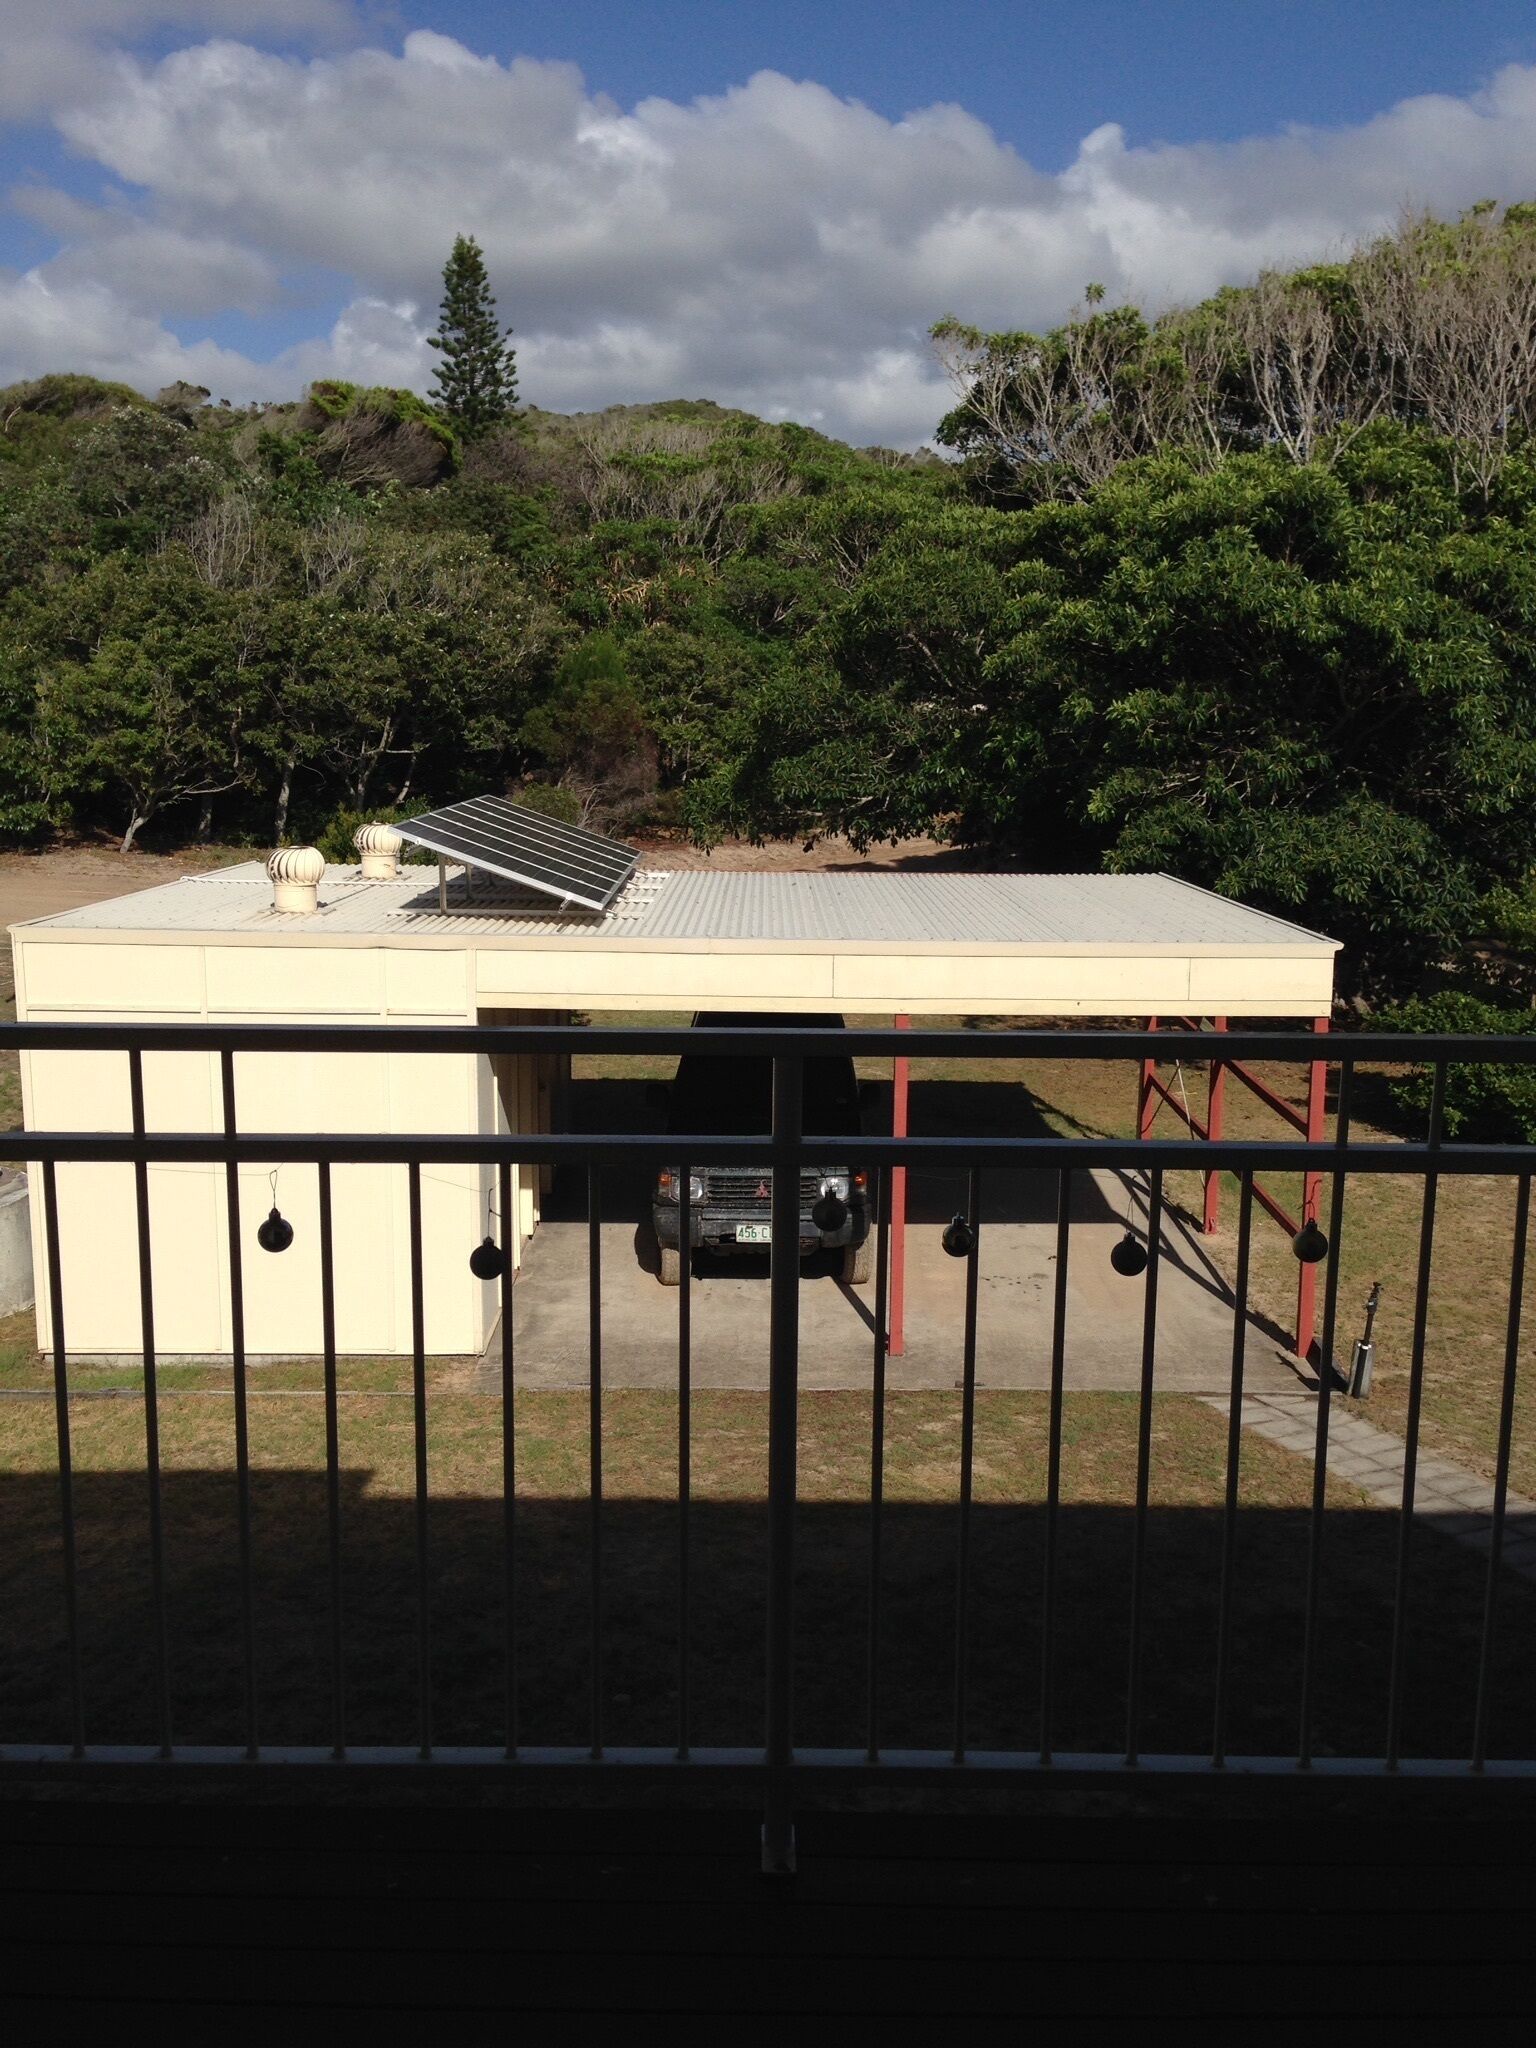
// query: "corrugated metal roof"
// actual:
[[959, 909], [827, 908]]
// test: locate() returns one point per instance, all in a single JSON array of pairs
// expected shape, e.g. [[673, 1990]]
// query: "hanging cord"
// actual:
[[1130, 1179]]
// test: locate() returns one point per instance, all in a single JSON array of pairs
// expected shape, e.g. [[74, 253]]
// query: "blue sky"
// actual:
[[764, 204], [1041, 75]]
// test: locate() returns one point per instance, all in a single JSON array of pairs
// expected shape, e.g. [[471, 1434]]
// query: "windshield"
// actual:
[[724, 1097]]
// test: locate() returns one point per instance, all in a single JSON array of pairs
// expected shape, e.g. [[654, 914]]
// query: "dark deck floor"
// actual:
[[211, 1912]]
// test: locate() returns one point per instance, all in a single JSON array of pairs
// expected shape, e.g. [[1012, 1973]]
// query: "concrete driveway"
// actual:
[[1017, 1280]]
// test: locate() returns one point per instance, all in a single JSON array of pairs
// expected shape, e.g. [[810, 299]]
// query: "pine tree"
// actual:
[[477, 384]]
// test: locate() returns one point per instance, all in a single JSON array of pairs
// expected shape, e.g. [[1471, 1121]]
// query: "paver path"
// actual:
[[1451, 1501]]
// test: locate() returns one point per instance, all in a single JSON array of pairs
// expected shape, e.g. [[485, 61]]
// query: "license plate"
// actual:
[[754, 1233]]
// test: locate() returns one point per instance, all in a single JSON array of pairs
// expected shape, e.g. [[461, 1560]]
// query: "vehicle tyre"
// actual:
[[856, 1264], [671, 1274]]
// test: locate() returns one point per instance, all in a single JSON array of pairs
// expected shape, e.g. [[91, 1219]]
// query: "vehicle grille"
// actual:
[[748, 1189]]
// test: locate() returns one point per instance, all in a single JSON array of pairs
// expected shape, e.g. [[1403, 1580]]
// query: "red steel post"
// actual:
[[1312, 1185], [1215, 1099], [898, 1281]]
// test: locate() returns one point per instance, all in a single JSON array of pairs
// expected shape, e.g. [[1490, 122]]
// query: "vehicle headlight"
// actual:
[[695, 1187], [836, 1184]]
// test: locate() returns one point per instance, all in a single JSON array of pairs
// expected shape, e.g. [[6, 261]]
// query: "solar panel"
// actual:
[[506, 839]]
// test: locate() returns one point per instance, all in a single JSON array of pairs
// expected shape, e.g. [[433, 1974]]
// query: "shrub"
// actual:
[[551, 801], [335, 842], [370, 437], [1481, 1100]]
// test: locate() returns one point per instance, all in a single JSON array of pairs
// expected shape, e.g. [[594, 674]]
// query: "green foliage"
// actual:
[[552, 801], [335, 840], [590, 731], [35, 415], [1485, 1100], [476, 384], [1246, 593], [334, 400]]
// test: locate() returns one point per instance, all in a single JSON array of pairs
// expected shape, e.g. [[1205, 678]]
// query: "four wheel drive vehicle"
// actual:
[[730, 1207]]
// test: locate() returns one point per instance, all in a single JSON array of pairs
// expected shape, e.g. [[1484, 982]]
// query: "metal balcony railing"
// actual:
[[773, 1755]]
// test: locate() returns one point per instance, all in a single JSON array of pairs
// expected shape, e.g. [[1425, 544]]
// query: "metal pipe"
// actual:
[[684, 1448], [242, 1417], [1234, 1459], [332, 1465], [1143, 1464], [1411, 1433], [711, 1149], [967, 1462], [151, 1404], [66, 1460], [1285, 1047], [1053, 1467], [419, 1416], [783, 1409], [877, 1463], [595, 1442], [1501, 1471], [508, 1452], [901, 1069], [1312, 1593]]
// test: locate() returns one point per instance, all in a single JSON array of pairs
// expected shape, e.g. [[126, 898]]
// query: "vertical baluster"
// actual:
[[1053, 1467], [1234, 1458], [242, 1409], [1314, 1579], [66, 1459], [509, 1249], [419, 1406], [1411, 1431], [684, 1446], [1143, 1464], [783, 1427], [1501, 1470], [967, 1466], [151, 1411], [332, 1463], [595, 1438], [877, 1457]]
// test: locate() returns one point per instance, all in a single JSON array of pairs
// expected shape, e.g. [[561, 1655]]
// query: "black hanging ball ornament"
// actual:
[[1309, 1244], [959, 1239], [829, 1213], [488, 1261], [276, 1234], [1129, 1256]]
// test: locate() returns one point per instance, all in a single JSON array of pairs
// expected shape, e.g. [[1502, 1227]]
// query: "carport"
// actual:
[[395, 946]]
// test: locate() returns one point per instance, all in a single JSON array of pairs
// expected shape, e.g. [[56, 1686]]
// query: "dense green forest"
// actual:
[[1247, 593]]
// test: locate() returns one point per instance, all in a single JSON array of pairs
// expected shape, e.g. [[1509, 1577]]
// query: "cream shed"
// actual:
[[407, 949]]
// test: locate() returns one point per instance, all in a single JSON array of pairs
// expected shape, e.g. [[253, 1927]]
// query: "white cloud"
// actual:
[[151, 266], [80, 325], [773, 246], [54, 48]]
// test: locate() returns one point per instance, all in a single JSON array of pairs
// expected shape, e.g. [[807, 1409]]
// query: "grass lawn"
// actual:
[[640, 1524]]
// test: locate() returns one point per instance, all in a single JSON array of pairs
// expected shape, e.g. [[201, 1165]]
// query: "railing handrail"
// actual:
[[779, 1762], [711, 1149], [1297, 1048]]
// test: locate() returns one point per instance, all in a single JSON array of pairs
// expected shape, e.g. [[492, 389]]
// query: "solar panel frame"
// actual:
[[498, 837]]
